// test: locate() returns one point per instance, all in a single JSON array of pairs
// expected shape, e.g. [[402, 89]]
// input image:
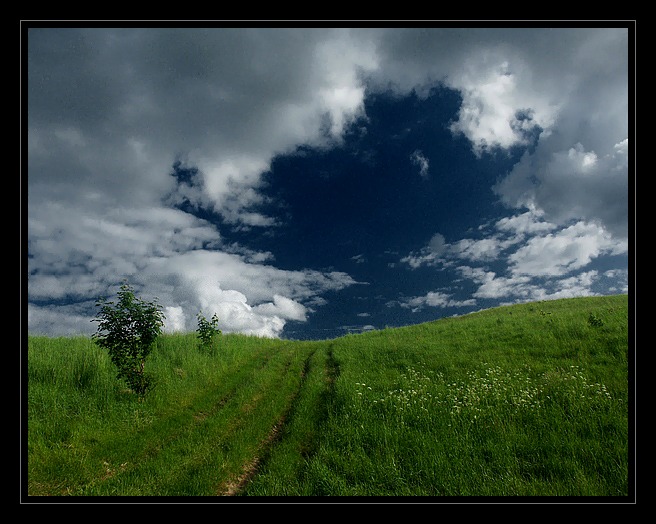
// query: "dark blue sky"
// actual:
[[356, 207], [307, 183], [359, 206]]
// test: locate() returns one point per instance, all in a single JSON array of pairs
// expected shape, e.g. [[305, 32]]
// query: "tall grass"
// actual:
[[530, 399]]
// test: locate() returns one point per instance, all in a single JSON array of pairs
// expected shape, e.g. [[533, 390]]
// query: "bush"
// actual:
[[128, 330], [207, 331]]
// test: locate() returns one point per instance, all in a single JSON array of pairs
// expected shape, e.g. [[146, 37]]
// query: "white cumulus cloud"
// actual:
[[559, 253]]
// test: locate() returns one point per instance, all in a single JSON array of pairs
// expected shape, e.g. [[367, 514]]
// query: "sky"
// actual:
[[309, 182]]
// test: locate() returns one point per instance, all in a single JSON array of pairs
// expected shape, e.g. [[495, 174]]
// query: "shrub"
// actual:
[[128, 330], [207, 331]]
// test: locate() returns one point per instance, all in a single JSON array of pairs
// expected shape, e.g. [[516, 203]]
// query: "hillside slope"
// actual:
[[530, 399]]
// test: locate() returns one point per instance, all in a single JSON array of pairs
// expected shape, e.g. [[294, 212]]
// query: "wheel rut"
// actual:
[[250, 468]]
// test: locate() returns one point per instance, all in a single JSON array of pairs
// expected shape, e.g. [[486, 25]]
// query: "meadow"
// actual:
[[528, 400]]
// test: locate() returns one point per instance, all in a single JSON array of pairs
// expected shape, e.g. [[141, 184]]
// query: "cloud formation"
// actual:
[[564, 89], [111, 110], [569, 249], [531, 249], [418, 159], [434, 299]]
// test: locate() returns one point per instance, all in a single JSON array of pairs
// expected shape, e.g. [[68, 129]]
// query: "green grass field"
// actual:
[[524, 400]]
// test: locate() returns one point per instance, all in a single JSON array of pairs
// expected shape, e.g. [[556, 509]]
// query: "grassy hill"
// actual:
[[522, 400]]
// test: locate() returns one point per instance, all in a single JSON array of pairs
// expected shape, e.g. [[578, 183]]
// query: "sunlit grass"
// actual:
[[530, 399], [499, 403]]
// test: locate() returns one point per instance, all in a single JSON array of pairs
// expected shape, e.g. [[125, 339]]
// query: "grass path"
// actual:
[[234, 486], [204, 444]]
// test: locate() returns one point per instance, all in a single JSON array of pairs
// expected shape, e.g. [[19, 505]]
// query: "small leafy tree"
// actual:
[[207, 331], [128, 330]]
